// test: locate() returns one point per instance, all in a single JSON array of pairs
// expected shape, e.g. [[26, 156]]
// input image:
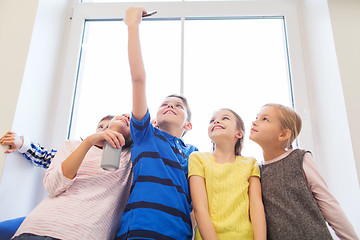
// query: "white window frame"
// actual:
[[255, 8]]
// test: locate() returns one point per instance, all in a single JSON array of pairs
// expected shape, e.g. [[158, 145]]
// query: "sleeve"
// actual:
[[327, 203], [54, 181], [196, 166], [255, 171], [37, 154], [140, 129]]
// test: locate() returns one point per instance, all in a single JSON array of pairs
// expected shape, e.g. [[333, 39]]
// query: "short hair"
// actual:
[[289, 119], [107, 117], [185, 103], [240, 126]]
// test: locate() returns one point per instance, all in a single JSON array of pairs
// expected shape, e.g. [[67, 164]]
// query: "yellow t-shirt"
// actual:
[[227, 191]]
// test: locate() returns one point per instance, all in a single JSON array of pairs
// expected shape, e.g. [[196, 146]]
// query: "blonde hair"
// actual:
[[289, 119]]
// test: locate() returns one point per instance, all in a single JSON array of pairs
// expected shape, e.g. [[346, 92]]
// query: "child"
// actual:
[[159, 206], [40, 157], [85, 201], [296, 199], [225, 186]]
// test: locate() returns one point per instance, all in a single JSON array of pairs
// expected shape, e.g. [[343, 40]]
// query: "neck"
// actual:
[[171, 129], [272, 152], [224, 153], [173, 132]]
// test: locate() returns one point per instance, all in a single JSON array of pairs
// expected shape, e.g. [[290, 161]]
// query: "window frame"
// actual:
[[115, 11]]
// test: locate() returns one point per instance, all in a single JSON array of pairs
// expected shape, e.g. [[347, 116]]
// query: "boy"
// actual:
[[159, 206]]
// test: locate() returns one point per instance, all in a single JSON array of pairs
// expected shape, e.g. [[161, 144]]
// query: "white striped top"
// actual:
[[86, 207]]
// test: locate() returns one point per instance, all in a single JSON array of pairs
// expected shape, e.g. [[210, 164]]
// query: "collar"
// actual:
[[284, 155], [172, 138]]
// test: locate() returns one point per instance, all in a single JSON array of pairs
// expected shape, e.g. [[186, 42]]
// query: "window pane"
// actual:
[[236, 63], [104, 84], [240, 64], [114, 1]]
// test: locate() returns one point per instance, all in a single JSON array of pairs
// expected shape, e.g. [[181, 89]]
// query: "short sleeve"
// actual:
[[255, 171], [140, 129], [195, 165]]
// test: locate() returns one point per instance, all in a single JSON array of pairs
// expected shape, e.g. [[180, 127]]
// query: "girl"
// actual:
[[296, 199], [85, 201], [225, 186]]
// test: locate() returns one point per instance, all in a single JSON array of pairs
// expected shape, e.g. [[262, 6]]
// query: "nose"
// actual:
[[254, 122], [170, 105]]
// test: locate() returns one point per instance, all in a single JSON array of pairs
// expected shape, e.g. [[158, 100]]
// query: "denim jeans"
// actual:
[[29, 236]]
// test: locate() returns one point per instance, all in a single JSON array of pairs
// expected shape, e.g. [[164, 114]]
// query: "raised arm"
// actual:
[[137, 69]]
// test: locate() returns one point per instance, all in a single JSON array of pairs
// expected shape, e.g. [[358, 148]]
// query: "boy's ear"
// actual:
[[154, 123], [188, 126], [285, 135]]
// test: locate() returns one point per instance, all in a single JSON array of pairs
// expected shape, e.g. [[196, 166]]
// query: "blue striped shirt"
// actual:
[[159, 206]]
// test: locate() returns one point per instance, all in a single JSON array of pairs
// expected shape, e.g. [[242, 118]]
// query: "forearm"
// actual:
[[137, 68], [71, 164], [205, 225], [257, 216], [328, 205]]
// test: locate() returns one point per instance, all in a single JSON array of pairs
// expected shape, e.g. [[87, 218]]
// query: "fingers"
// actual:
[[9, 140], [9, 151], [133, 15], [114, 138], [6, 136]]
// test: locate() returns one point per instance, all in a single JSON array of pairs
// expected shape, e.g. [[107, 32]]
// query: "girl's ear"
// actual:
[[239, 135], [285, 135]]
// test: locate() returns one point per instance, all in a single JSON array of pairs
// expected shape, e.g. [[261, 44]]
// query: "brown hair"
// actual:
[[107, 117], [183, 99], [240, 126], [289, 119]]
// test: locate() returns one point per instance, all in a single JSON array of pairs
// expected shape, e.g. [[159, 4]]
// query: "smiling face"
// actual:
[[121, 124], [224, 126], [172, 114], [267, 128]]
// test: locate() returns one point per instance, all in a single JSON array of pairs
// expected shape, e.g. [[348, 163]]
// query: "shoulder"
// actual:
[[200, 154], [248, 160], [200, 157], [191, 148]]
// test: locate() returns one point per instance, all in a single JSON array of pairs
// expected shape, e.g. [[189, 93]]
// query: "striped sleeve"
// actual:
[[38, 155], [54, 181]]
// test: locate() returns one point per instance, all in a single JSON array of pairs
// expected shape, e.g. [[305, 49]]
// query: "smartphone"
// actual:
[[148, 14]]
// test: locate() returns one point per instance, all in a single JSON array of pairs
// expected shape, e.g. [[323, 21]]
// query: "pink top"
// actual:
[[328, 205], [86, 207]]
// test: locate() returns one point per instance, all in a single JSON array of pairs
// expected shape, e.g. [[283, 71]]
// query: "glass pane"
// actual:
[[104, 84], [114, 1], [240, 64]]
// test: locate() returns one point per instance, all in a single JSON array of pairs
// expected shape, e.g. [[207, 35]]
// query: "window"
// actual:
[[215, 59]]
